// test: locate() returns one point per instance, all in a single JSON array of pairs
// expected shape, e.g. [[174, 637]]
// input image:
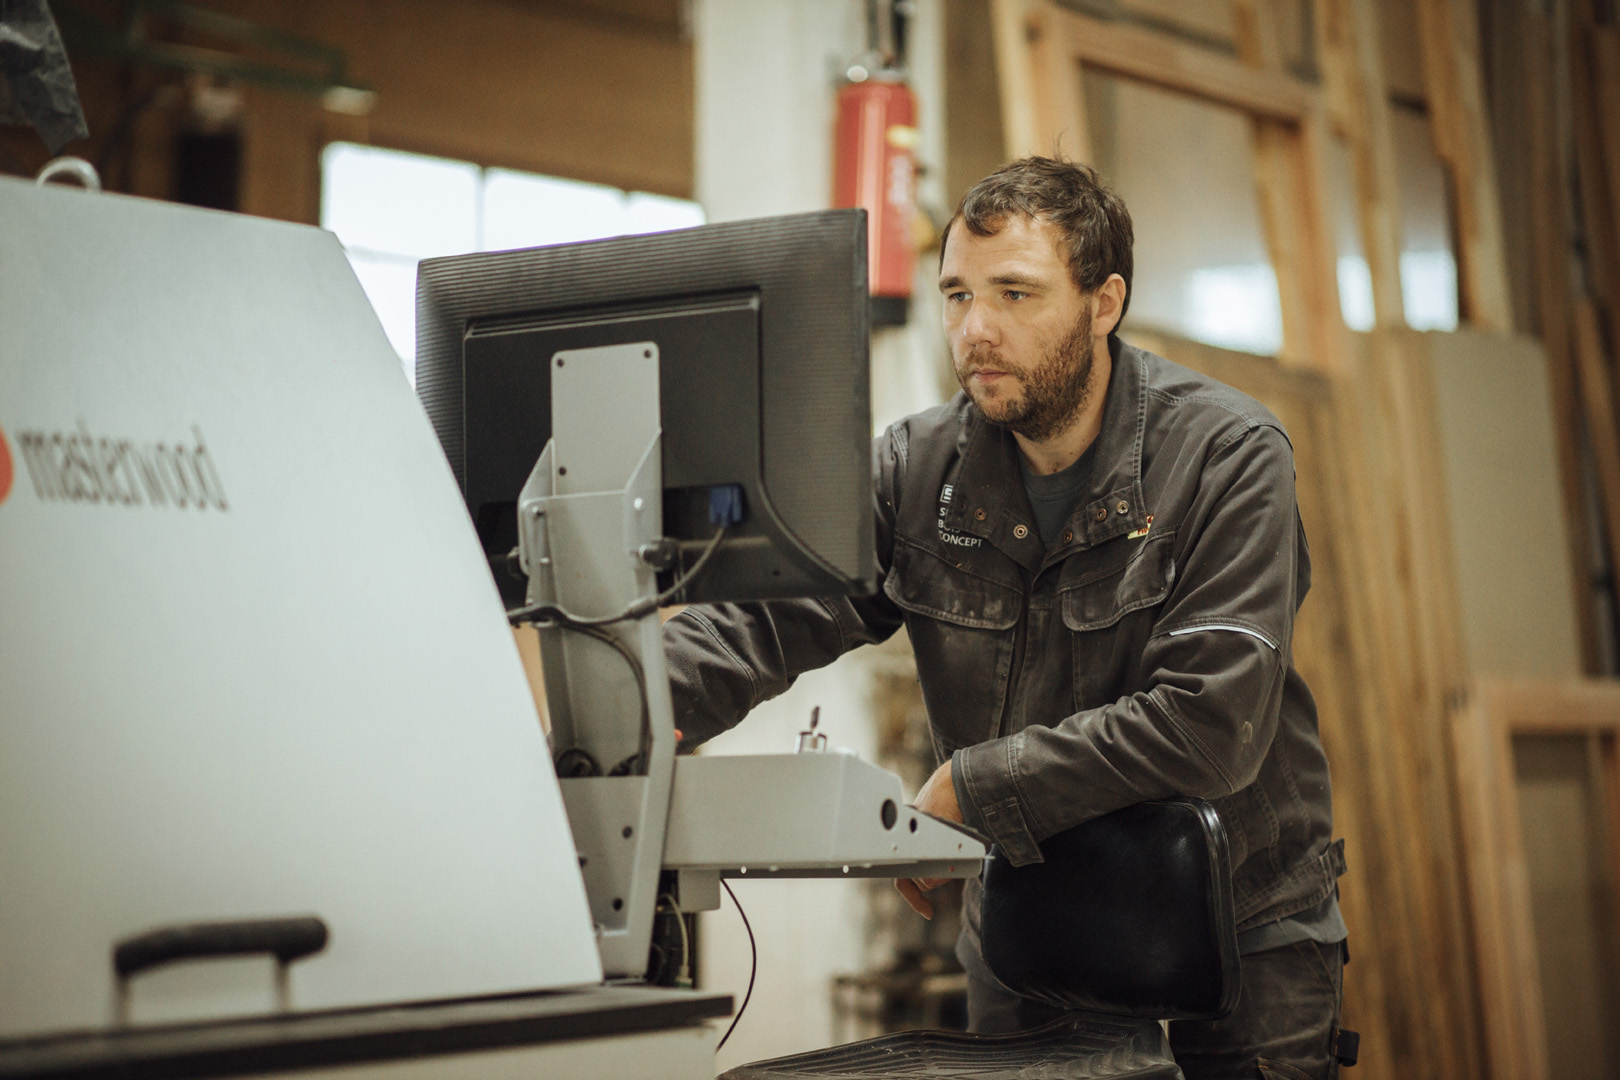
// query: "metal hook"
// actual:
[[68, 167]]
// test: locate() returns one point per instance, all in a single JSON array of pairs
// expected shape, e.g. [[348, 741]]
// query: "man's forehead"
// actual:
[[1022, 245]]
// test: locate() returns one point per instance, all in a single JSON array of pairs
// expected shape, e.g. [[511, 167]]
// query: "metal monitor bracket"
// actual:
[[591, 517], [591, 507]]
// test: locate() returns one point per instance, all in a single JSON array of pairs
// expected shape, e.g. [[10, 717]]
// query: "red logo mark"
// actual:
[[6, 471]]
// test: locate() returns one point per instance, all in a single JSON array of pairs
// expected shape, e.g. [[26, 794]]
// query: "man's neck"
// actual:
[[1064, 448]]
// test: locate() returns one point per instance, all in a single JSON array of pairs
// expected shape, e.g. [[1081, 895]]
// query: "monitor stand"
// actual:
[[590, 528], [590, 518]]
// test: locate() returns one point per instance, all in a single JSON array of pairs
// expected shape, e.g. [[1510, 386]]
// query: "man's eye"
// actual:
[[956, 297], [1014, 294]]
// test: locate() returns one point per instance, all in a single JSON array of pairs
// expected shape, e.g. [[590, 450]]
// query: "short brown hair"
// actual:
[[1092, 220]]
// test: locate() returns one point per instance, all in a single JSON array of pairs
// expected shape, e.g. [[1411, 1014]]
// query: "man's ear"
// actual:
[[1107, 306]]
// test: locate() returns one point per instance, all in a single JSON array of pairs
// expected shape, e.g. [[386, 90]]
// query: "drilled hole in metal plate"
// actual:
[[628, 832], [913, 824], [559, 361], [890, 813], [618, 903], [562, 470]]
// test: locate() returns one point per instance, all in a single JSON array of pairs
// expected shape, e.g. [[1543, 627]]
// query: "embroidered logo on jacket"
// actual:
[[952, 536], [1143, 531]]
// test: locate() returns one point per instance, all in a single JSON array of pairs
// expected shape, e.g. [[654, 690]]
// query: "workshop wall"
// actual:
[[596, 90]]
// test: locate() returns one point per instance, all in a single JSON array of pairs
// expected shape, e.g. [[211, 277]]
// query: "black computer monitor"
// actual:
[[763, 343]]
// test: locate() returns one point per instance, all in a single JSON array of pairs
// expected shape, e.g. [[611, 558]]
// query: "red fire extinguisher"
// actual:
[[876, 167]]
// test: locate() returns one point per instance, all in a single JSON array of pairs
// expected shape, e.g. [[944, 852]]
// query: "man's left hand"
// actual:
[[937, 797]]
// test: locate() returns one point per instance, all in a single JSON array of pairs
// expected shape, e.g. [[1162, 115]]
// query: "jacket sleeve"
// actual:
[[1214, 667], [725, 659]]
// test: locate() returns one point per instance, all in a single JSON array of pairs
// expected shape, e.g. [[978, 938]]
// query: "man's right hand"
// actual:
[[913, 888], [937, 797]]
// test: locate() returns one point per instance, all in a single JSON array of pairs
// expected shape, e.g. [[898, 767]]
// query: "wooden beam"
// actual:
[[1390, 760], [1317, 258], [1550, 248], [1347, 41], [1602, 108], [1290, 186], [1043, 98], [1190, 69], [1606, 761], [1061, 110], [1597, 395], [1277, 189], [1255, 24], [1417, 537], [1009, 31], [1604, 46], [1499, 882], [1600, 192], [1449, 31], [1558, 707]]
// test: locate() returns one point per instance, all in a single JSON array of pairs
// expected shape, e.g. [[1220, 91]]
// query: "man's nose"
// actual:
[[977, 327]]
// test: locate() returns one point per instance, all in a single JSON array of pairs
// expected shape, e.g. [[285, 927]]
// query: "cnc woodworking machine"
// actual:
[[274, 793]]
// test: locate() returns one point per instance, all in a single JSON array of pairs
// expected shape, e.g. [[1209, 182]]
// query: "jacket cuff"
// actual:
[[970, 813], [983, 778]]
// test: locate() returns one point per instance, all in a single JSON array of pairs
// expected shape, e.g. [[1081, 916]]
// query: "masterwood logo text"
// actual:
[[76, 466]]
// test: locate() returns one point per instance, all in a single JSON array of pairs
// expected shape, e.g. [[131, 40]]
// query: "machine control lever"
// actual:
[[812, 741]]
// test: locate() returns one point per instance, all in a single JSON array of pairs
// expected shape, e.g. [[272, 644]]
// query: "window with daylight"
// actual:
[[1185, 168], [392, 209]]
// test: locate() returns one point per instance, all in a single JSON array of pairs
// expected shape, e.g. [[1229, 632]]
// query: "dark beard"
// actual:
[[1055, 391]]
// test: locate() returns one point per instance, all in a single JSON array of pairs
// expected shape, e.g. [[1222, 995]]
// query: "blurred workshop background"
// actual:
[[1397, 222]]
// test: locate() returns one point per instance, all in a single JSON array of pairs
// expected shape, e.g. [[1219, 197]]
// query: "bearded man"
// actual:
[[1098, 558]]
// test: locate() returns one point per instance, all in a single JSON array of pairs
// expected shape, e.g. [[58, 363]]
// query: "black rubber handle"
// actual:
[[286, 939]]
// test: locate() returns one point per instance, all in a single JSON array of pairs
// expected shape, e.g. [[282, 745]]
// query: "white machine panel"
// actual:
[[251, 661]]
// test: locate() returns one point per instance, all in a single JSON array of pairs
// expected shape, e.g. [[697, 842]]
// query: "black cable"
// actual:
[[753, 965], [682, 978], [574, 762], [628, 766], [550, 616], [551, 613]]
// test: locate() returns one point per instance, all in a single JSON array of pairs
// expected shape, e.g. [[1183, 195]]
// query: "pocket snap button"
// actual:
[[1020, 531], [1102, 513], [1123, 507], [979, 515]]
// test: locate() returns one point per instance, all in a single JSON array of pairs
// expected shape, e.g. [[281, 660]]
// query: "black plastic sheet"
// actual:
[[36, 81]]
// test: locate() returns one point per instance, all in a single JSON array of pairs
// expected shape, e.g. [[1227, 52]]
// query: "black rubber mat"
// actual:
[[1070, 1048]]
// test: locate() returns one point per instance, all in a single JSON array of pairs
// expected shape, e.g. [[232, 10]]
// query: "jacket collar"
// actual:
[[989, 499]]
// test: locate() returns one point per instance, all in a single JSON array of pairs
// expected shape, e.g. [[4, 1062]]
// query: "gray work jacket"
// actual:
[[1145, 654]]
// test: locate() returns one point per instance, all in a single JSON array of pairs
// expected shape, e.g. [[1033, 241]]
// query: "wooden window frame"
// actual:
[[1041, 51], [1493, 840]]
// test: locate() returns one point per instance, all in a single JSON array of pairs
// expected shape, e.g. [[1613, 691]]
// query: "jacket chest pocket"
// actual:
[[961, 629], [1109, 598]]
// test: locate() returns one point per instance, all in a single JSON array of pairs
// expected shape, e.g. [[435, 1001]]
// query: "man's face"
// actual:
[[1018, 326]]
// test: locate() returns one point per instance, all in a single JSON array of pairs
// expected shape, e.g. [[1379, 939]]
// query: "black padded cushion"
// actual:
[[1129, 914], [1072, 1047]]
